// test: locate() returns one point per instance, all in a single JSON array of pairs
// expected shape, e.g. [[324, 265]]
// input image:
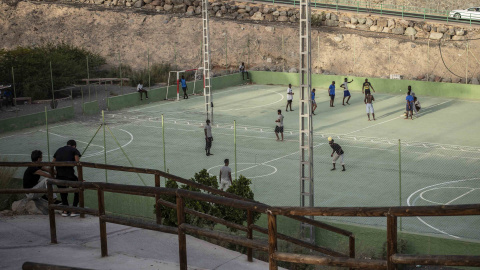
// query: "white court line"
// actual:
[[115, 149], [195, 97], [435, 105], [61, 136], [461, 196]]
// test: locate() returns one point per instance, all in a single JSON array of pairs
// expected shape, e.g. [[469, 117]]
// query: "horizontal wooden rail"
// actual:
[[400, 211], [25, 190], [79, 210], [43, 266], [447, 260], [330, 261], [321, 225], [300, 242], [139, 224], [205, 216], [256, 244]]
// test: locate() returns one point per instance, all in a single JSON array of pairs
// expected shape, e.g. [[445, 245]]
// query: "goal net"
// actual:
[[193, 77]]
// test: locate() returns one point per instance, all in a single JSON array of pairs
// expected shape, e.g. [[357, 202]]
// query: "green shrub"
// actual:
[[32, 68], [158, 73], [6, 176]]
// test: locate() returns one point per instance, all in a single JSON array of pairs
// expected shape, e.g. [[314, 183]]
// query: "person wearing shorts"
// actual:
[[409, 105], [289, 97], [225, 177], [331, 93], [346, 93], [366, 87], [314, 103], [208, 137], [369, 102], [183, 82], [279, 126], [336, 154]]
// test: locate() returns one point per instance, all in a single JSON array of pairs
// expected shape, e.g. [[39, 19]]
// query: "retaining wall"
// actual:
[[36, 119], [90, 108]]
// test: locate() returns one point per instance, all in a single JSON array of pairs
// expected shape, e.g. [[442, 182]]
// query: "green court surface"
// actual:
[[436, 162]]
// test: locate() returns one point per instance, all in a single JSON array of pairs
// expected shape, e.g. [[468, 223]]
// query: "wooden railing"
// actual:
[[297, 213], [248, 229]]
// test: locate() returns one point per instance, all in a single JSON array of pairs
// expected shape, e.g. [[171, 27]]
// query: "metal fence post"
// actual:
[[53, 93], [104, 145], [235, 146], [164, 153], [48, 137], [14, 93], [400, 177]]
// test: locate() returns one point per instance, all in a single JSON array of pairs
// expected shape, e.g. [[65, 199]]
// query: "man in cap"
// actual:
[[337, 153]]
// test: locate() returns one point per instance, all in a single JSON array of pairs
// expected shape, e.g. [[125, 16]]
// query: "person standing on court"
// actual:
[[369, 102], [366, 87], [208, 137], [243, 70], [279, 126], [141, 90], [225, 177], [337, 153], [409, 106], [314, 103], [331, 93], [67, 153], [346, 93], [183, 82], [289, 97]]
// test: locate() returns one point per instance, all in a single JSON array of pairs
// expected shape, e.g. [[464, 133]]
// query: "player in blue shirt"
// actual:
[[331, 93], [183, 82], [409, 106], [314, 103]]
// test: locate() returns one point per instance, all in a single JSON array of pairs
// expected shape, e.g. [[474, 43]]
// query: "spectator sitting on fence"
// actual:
[[67, 153], [35, 177], [141, 90], [243, 70]]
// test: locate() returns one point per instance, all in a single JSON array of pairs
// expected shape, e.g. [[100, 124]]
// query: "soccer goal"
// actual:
[[191, 76]]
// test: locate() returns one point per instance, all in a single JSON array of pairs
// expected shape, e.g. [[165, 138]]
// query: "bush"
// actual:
[[158, 73], [6, 176], [239, 187], [32, 68]]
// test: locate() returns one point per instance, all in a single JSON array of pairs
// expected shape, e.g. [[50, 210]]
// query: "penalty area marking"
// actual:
[[411, 201], [255, 165]]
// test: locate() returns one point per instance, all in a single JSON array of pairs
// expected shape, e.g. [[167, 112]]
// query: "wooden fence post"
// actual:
[[51, 214], [182, 240], [81, 192], [272, 240], [158, 212], [391, 241], [103, 224], [249, 234], [351, 247]]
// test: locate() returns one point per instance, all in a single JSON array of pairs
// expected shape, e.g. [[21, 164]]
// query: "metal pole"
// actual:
[[400, 177], [53, 93], [226, 55], [83, 104], [354, 56], [121, 77], [164, 154], [403, 9], [248, 50], [48, 138], [283, 52], [148, 67], [466, 66], [14, 92], [104, 145], [428, 59], [389, 58], [235, 145], [88, 80]]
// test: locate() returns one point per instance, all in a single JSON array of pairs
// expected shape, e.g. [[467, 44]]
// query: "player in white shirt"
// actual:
[[346, 93], [279, 126], [225, 177], [208, 137], [289, 97]]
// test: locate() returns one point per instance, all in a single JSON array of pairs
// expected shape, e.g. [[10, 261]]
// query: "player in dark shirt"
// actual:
[[337, 152], [366, 87], [36, 177], [67, 153]]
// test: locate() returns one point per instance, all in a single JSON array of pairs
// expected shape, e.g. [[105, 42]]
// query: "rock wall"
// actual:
[[362, 46], [431, 4]]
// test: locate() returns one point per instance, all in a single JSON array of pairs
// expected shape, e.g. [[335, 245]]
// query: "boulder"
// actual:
[[420, 77], [474, 81], [241, 6], [382, 22], [369, 22], [269, 17], [403, 23], [218, 14], [421, 34], [276, 13], [257, 16], [451, 31], [138, 4], [442, 29], [167, 7], [328, 16], [362, 21], [269, 29], [338, 38], [354, 20], [427, 28], [241, 11], [99, 2], [331, 23], [459, 32], [32, 207], [391, 23], [437, 79], [456, 80], [363, 27], [373, 28], [446, 80], [410, 31], [464, 81], [282, 19], [181, 8], [351, 26], [156, 3], [345, 19], [436, 35], [177, 2], [198, 10], [293, 19], [255, 9], [283, 13], [293, 70], [458, 38], [333, 17], [386, 30]]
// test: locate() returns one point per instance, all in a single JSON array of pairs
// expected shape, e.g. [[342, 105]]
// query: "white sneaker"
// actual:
[[65, 214], [73, 214]]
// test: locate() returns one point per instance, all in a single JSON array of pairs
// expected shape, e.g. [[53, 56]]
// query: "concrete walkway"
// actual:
[[27, 238]]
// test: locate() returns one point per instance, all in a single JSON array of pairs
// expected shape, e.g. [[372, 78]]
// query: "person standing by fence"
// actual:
[[67, 153]]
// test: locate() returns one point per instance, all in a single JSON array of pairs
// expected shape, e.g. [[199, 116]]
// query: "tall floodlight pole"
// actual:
[[207, 93], [306, 130]]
